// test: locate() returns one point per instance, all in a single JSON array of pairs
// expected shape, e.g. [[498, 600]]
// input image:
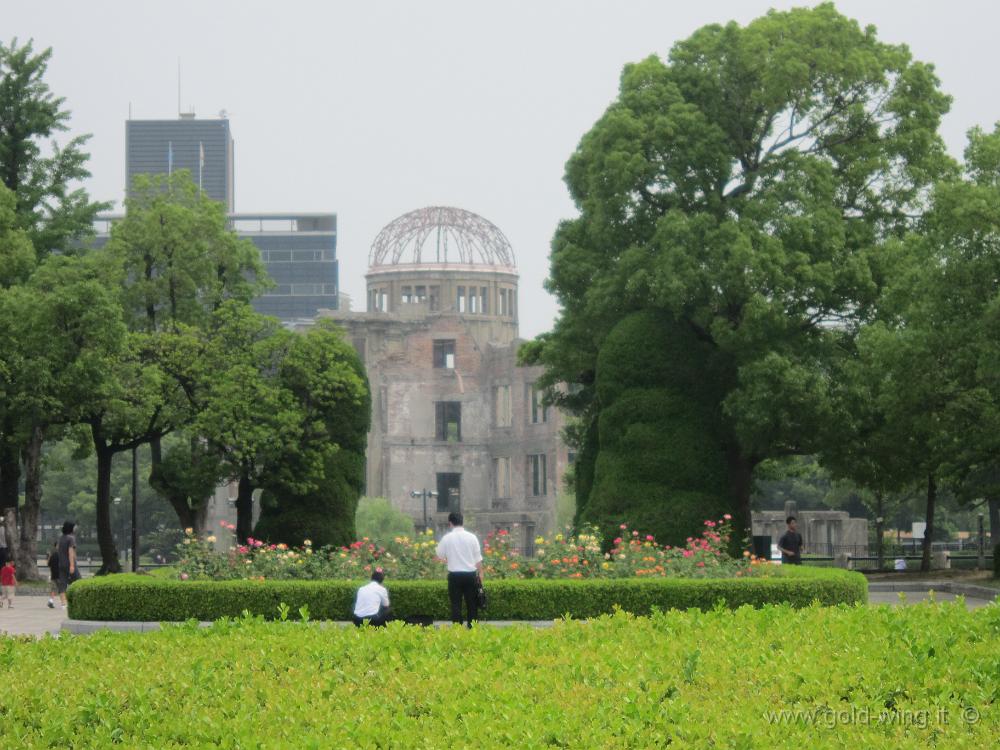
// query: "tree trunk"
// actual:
[[27, 554], [879, 521], [925, 562], [244, 509], [994, 506], [105, 537], [8, 519], [179, 503], [10, 475], [740, 487]]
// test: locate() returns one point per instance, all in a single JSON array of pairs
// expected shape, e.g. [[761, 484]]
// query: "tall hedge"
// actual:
[[658, 464], [143, 598], [323, 513]]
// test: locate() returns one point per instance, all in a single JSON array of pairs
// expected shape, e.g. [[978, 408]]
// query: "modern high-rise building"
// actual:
[[300, 254], [203, 147], [299, 250]]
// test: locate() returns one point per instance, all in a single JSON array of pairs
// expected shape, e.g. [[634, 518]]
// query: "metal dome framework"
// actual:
[[441, 235]]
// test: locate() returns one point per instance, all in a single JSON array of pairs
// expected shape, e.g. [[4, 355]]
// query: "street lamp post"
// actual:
[[878, 540], [424, 493], [122, 537], [981, 543], [135, 511]]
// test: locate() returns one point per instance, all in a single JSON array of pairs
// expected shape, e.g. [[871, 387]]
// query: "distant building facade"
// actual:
[[456, 424], [299, 250], [203, 147], [300, 254]]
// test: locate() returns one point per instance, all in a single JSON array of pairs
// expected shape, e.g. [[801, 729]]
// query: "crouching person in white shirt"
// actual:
[[460, 549], [372, 602]]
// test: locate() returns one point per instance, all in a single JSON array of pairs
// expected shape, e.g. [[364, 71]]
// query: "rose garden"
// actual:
[[775, 268]]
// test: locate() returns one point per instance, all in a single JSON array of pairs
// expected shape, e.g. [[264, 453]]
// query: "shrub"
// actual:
[[659, 465], [630, 554], [377, 519], [878, 678], [132, 597]]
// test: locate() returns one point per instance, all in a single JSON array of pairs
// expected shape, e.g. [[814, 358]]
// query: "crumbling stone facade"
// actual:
[[452, 413]]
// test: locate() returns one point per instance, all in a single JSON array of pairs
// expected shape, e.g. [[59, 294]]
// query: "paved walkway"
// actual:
[[31, 616], [912, 597]]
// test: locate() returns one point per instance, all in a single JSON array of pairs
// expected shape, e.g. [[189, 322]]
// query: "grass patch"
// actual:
[[862, 677]]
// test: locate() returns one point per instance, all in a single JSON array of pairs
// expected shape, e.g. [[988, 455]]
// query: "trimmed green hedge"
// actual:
[[132, 597]]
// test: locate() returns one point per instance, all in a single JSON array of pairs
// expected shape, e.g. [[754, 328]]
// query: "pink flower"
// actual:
[[649, 537], [701, 565], [250, 540], [688, 553], [184, 576], [710, 523], [728, 517], [242, 549], [617, 541], [623, 526], [635, 533]]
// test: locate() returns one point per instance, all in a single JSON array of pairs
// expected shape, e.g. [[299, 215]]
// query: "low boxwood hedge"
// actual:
[[143, 598]]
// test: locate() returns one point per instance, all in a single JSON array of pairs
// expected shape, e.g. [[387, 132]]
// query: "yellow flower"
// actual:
[[539, 540], [605, 565], [189, 531], [210, 539]]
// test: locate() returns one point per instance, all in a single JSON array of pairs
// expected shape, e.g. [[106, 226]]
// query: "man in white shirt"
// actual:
[[372, 602], [460, 549]]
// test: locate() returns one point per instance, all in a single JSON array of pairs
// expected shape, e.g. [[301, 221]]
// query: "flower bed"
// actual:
[[136, 597], [631, 555], [879, 678]]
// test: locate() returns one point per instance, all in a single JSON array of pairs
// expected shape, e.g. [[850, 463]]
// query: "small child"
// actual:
[[53, 563], [8, 583]]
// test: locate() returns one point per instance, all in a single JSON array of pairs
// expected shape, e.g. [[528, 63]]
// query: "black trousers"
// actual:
[[463, 586], [376, 621]]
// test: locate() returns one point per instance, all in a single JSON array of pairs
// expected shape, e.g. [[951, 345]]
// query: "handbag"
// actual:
[[481, 599]]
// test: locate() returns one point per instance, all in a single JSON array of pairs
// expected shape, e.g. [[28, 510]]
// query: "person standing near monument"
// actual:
[[460, 550], [68, 569], [790, 544]]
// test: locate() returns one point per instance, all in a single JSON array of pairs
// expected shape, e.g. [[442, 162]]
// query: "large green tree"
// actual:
[[928, 367], [312, 490], [54, 214], [179, 262], [744, 187]]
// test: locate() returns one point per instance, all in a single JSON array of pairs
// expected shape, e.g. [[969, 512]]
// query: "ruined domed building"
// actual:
[[456, 424]]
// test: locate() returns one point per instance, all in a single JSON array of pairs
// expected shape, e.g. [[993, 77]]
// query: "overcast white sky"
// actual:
[[372, 109]]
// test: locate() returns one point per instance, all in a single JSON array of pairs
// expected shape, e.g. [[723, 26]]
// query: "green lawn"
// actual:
[[852, 677]]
